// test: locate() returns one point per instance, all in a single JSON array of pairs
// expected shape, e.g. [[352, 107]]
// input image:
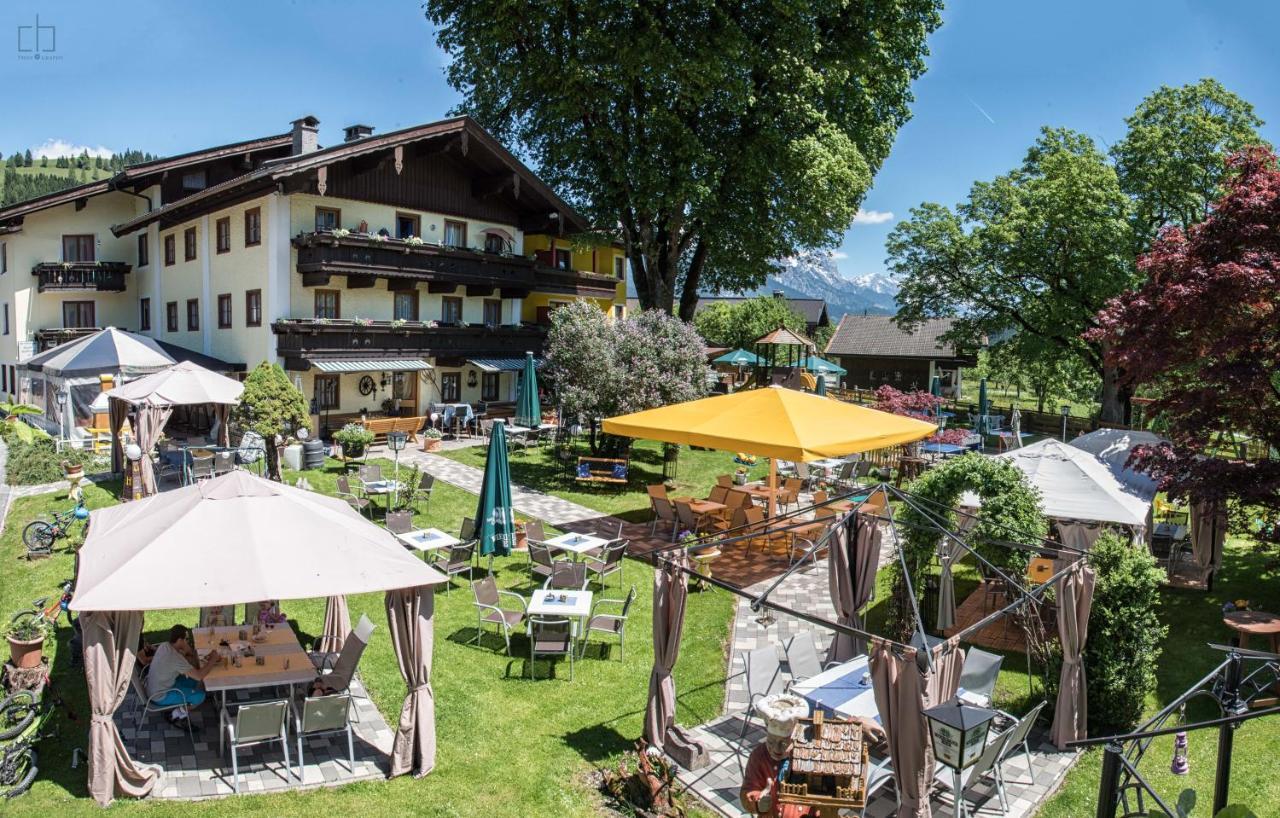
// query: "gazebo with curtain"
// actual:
[[150, 401], [239, 538]]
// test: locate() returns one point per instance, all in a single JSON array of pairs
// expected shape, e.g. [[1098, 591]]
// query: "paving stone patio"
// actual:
[[200, 772]]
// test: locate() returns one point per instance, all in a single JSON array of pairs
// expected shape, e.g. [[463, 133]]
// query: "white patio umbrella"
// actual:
[[1015, 426], [236, 538], [182, 384]]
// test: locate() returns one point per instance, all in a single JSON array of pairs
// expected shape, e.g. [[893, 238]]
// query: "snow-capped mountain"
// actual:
[[814, 275]]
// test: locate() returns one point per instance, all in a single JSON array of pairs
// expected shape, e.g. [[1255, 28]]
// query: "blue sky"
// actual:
[[169, 77]]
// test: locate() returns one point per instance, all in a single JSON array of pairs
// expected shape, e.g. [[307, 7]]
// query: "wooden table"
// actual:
[[700, 507], [1039, 570], [1254, 623], [284, 660]]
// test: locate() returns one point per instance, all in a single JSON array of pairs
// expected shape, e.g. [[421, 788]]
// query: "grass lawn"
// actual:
[[696, 474], [1195, 619], [506, 745]]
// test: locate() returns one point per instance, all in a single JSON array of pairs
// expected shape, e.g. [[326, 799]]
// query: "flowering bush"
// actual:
[[917, 403]]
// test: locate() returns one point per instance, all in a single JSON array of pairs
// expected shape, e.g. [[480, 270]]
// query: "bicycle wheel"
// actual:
[[38, 536], [16, 713], [21, 773]]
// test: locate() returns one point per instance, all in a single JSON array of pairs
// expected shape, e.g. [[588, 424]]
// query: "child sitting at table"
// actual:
[[269, 613]]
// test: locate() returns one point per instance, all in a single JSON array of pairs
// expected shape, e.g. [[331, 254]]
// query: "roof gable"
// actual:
[[879, 336]]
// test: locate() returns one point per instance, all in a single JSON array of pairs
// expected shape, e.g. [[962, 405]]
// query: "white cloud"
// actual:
[[839, 255], [873, 216], [54, 148]]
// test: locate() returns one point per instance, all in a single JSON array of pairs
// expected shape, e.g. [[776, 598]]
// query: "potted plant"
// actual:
[[26, 641], [522, 536], [74, 472], [354, 439], [431, 439]]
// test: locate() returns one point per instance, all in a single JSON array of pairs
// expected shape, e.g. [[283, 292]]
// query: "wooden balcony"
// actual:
[[574, 282], [364, 259], [299, 341], [51, 337], [101, 276]]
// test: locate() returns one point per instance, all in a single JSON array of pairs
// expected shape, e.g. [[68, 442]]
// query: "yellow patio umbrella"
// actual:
[[775, 423]]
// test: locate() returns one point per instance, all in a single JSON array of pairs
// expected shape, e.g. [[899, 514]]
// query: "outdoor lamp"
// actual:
[[396, 441], [1181, 765], [471, 378], [1066, 411], [133, 451], [959, 734]]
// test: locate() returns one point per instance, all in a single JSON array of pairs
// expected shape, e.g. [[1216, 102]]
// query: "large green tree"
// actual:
[[1172, 160], [716, 137], [737, 325], [1038, 251]]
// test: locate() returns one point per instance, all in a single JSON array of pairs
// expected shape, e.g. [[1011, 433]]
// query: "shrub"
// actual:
[[353, 435], [27, 629], [1125, 634], [38, 461]]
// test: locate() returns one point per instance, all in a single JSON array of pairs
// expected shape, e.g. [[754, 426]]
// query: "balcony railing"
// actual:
[[51, 337], [103, 276], [328, 253], [300, 341], [321, 255]]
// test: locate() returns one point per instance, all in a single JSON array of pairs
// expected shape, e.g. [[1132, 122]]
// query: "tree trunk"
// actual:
[[273, 461], [1116, 407]]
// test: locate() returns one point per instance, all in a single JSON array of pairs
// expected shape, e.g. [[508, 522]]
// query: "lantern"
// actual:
[[1180, 765], [959, 733], [396, 442]]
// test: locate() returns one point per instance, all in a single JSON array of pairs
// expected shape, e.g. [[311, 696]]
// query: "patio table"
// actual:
[[943, 449], [428, 539], [286, 664], [840, 690], [827, 464], [576, 605], [381, 488], [576, 544]]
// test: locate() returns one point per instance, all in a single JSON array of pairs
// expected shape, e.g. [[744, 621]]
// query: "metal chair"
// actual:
[[802, 657], [987, 764], [979, 674], [488, 602], [610, 562], [400, 522], [425, 484], [533, 531], [324, 716], [258, 723], [369, 473], [1018, 737], [567, 576], [459, 562], [150, 703], [613, 624], [549, 637], [764, 676], [360, 504], [343, 668], [541, 563], [223, 462], [201, 468]]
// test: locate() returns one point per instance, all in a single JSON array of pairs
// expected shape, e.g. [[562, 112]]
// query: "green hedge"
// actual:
[[37, 461]]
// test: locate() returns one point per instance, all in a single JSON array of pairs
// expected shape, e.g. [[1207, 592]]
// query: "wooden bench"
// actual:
[[599, 470], [380, 427]]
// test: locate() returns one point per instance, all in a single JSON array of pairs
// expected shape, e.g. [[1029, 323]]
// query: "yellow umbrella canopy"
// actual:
[[772, 422]]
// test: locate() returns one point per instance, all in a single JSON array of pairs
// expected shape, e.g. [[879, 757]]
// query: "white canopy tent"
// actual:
[[1113, 447], [239, 538], [1078, 491]]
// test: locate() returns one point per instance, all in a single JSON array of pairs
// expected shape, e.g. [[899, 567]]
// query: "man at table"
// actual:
[[781, 713], [176, 668]]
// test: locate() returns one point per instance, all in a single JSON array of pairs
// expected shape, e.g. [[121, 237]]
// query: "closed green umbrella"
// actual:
[[528, 409], [935, 389], [822, 386], [495, 517], [984, 406]]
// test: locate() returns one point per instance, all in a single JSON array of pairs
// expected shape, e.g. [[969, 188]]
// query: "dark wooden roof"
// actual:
[[137, 175], [477, 145], [879, 336]]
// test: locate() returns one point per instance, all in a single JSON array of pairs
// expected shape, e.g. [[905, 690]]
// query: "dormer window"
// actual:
[[194, 180]]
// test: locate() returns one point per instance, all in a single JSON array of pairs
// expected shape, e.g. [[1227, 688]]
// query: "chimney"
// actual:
[[305, 135], [353, 132]]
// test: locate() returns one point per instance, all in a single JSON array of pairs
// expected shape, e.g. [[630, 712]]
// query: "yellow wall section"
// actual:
[[600, 261]]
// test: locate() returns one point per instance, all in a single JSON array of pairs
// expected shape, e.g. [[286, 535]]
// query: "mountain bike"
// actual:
[[48, 611], [40, 535], [29, 723]]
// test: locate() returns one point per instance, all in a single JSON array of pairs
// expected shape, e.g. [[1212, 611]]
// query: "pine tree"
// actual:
[[61, 162], [12, 161], [44, 161], [27, 158]]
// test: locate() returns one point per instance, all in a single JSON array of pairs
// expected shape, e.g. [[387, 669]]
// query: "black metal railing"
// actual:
[[302, 339], [103, 276]]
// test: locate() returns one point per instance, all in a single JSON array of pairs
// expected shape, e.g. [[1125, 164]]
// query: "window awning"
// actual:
[[405, 365], [502, 364]]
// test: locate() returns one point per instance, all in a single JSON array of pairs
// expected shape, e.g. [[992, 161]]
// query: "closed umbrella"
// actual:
[[495, 518], [528, 409], [1015, 426], [984, 406], [822, 386], [935, 389]]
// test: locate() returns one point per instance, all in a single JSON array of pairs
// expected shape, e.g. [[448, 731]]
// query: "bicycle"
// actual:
[[42, 610], [19, 761], [40, 535]]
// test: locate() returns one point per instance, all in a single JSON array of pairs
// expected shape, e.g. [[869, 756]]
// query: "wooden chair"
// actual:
[[725, 480], [663, 512]]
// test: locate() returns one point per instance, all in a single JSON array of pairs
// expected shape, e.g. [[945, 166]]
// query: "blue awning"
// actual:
[[503, 364]]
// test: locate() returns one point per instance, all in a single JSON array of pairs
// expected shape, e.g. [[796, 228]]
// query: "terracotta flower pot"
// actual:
[[522, 539], [26, 653], [431, 444]]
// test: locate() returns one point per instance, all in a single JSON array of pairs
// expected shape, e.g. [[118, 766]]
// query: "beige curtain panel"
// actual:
[[851, 589], [670, 593], [337, 624], [409, 618], [1075, 598], [110, 639], [903, 692]]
